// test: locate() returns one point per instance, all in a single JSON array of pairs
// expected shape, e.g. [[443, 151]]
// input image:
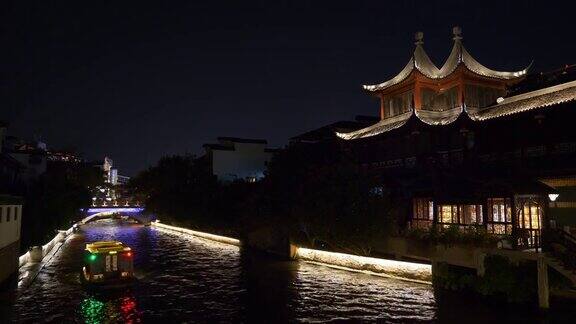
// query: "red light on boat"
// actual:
[[129, 254]]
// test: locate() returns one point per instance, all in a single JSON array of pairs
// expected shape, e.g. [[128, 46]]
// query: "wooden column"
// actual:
[[434, 268], [543, 288], [417, 96], [461, 91], [382, 107], [514, 222]]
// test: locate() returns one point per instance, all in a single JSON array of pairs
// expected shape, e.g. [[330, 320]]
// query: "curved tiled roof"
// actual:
[[458, 55], [444, 117], [546, 97], [395, 80], [541, 98], [380, 127]]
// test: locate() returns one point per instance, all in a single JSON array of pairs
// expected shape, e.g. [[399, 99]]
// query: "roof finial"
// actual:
[[419, 37], [457, 31]]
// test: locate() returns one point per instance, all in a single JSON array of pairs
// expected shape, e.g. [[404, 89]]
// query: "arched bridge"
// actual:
[[135, 213]]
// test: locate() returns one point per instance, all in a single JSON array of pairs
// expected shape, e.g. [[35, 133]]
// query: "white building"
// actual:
[[238, 158], [113, 177], [10, 223]]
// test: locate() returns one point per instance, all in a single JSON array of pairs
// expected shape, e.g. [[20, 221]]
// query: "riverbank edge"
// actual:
[[405, 271], [30, 264], [204, 235]]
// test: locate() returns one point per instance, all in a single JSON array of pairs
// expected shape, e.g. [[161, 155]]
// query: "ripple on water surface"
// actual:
[[183, 278]]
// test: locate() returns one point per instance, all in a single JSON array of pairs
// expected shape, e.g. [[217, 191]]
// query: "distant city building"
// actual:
[[235, 158], [113, 177], [10, 223], [63, 156], [114, 195]]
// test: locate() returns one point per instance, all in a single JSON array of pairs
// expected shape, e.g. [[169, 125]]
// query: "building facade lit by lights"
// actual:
[[464, 145], [114, 193]]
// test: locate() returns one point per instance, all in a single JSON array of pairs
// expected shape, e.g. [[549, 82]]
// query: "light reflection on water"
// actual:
[[123, 310], [182, 278]]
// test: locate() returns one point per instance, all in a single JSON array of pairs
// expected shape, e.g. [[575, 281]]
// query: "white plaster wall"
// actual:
[[10, 230], [247, 160]]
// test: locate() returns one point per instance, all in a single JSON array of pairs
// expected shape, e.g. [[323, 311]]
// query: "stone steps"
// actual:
[[557, 265]]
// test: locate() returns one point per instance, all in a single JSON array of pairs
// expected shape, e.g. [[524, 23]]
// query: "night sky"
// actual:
[[138, 80]]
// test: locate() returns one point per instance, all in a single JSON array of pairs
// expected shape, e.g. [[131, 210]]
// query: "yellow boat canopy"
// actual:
[[106, 246]]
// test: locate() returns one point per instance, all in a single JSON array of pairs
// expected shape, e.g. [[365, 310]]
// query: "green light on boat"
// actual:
[[92, 257]]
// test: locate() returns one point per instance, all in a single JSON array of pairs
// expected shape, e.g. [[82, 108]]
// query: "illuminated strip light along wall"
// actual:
[[46, 248], [416, 272], [207, 236]]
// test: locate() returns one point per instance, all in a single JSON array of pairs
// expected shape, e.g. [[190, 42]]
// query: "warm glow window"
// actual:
[[528, 221], [499, 216], [423, 213], [460, 214]]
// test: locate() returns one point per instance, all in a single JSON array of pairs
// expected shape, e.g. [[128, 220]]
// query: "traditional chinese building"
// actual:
[[464, 145]]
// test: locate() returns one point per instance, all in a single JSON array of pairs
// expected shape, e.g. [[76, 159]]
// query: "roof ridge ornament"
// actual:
[[457, 32], [419, 38]]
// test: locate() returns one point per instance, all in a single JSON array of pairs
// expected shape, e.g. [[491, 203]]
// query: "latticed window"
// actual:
[[529, 215], [499, 218], [423, 212], [460, 214], [400, 103], [432, 100], [480, 97]]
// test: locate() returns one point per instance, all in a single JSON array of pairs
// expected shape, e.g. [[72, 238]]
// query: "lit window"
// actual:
[[423, 212], [460, 214], [499, 216]]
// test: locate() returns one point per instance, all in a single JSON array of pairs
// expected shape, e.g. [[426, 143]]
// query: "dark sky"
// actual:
[[138, 80]]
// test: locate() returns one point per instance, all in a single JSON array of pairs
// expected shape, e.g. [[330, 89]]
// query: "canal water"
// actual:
[[187, 279]]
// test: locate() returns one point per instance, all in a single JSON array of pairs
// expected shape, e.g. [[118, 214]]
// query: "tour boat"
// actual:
[[107, 262]]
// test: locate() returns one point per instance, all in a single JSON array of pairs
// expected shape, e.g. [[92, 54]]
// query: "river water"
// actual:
[[187, 279]]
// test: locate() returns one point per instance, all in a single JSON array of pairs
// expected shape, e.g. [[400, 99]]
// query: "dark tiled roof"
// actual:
[[219, 147], [328, 131], [537, 99], [531, 100], [242, 140]]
